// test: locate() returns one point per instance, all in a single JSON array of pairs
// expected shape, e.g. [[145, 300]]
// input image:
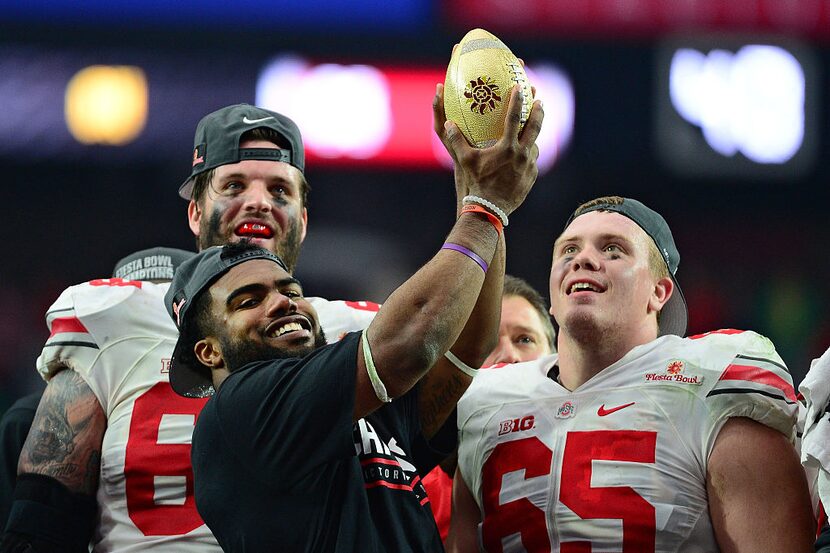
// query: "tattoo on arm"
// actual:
[[438, 397], [66, 435]]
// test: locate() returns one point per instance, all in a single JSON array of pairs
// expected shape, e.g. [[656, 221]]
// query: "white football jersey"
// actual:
[[620, 463], [815, 419], [118, 336]]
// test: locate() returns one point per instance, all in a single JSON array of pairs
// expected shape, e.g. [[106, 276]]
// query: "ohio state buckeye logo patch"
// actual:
[[566, 410]]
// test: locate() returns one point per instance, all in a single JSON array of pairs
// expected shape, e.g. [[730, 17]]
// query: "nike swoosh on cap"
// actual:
[[602, 411], [252, 121]]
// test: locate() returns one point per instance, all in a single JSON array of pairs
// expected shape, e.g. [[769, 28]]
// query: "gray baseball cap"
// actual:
[[218, 134], [151, 264], [674, 316], [188, 376]]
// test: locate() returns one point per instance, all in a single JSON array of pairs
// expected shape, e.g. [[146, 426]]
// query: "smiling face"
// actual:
[[601, 283], [256, 199], [258, 313], [522, 335]]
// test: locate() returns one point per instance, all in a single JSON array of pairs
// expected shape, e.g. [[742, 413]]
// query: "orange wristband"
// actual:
[[475, 208]]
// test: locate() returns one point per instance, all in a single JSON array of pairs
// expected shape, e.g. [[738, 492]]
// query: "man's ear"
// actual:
[[663, 289], [194, 217], [209, 353], [305, 224]]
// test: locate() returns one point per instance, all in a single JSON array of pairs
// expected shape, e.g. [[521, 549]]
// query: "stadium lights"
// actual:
[[106, 104], [737, 107], [354, 112], [750, 101]]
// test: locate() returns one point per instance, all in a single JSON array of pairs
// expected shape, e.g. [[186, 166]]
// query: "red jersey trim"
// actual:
[[721, 331], [67, 324], [759, 376], [364, 306]]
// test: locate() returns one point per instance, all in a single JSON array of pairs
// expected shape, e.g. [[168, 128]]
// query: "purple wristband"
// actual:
[[469, 253]]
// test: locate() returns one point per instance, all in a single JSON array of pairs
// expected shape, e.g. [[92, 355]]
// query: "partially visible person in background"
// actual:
[[525, 333], [16, 422], [14, 427]]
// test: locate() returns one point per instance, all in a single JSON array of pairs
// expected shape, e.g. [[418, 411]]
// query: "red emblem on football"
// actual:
[[482, 94]]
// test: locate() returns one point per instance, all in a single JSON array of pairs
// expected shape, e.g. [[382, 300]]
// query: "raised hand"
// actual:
[[503, 173]]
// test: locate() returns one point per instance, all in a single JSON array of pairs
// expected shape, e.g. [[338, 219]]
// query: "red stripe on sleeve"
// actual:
[[364, 305], [67, 324], [760, 376], [721, 331]]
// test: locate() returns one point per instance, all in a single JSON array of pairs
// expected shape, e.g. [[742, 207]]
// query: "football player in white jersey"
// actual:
[[525, 333], [111, 429], [152, 266], [631, 438]]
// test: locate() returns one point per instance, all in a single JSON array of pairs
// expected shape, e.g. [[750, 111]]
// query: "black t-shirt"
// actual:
[[280, 466], [14, 427]]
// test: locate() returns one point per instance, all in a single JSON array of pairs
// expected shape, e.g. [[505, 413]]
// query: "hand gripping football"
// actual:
[[481, 72]]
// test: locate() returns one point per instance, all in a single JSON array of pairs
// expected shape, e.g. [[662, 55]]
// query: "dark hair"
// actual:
[[515, 286], [202, 181]]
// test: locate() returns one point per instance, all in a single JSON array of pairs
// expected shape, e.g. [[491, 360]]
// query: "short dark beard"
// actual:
[[288, 248], [237, 354]]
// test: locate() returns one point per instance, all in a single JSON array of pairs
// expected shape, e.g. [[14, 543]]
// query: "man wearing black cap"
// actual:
[[247, 181], [631, 438], [312, 448]]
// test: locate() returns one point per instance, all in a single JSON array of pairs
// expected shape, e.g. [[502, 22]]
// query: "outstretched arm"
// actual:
[[424, 317], [758, 497], [444, 384]]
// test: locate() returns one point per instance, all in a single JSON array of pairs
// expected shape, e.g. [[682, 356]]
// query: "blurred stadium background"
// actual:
[[711, 111]]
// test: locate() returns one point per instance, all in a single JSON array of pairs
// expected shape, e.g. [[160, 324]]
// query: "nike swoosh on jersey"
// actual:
[[602, 411], [252, 121]]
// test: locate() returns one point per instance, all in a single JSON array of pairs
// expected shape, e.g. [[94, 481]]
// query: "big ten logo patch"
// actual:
[[517, 425]]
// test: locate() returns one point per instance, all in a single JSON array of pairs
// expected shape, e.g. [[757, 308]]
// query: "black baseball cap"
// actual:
[[151, 264], [188, 376], [217, 140], [674, 316]]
